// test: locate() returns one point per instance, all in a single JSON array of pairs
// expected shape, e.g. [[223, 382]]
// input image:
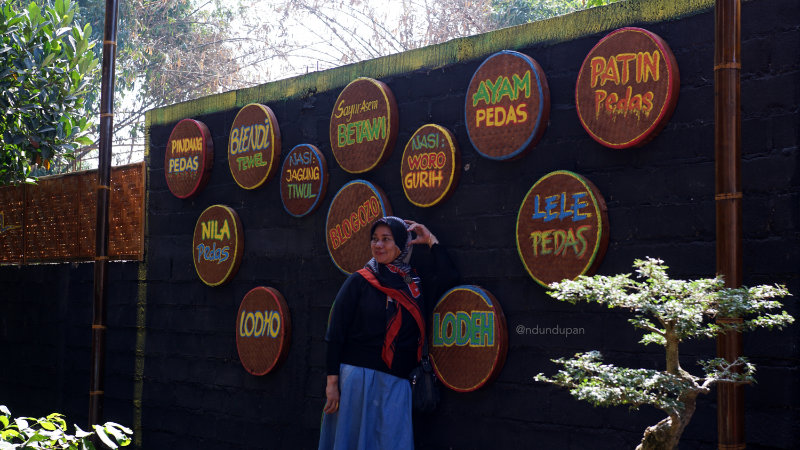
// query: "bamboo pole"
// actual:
[[728, 140], [97, 374]]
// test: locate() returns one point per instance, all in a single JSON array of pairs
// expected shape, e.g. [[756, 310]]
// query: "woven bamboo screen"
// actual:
[[54, 220]]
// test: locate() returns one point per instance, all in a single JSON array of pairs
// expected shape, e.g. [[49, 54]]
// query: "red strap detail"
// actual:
[[412, 286], [392, 330], [393, 327]]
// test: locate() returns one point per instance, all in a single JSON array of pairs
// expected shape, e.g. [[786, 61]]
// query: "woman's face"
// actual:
[[384, 250]]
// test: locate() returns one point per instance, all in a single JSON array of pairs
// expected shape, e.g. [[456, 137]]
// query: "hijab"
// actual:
[[402, 239]]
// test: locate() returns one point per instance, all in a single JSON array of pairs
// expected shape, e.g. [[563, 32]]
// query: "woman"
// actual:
[[374, 339]]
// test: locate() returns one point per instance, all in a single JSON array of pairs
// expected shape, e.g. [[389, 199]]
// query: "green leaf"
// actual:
[[9, 434], [36, 437], [117, 426], [118, 435], [48, 59], [84, 140], [80, 434], [21, 423], [101, 433], [34, 11], [62, 31], [47, 425]]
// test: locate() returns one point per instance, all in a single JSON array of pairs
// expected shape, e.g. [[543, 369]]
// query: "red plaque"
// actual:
[[353, 210], [188, 158], [507, 105], [364, 125], [627, 88], [254, 146], [304, 180], [431, 165], [562, 228], [217, 245], [469, 338], [263, 330]]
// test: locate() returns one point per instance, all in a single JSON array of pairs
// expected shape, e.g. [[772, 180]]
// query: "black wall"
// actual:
[[660, 203]]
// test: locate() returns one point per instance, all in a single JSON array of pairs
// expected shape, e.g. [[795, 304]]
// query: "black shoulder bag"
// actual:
[[424, 385]]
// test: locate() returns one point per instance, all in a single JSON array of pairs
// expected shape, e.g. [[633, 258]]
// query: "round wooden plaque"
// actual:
[[188, 158], [254, 146], [562, 228], [304, 180], [364, 125], [217, 245], [263, 330], [507, 105], [431, 166], [469, 339], [627, 88], [351, 214]]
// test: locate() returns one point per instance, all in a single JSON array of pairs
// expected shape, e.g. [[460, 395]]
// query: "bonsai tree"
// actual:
[[51, 433], [670, 312]]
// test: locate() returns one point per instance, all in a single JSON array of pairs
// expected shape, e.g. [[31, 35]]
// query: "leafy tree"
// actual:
[[507, 13], [47, 68], [168, 51], [670, 312], [51, 433], [320, 34]]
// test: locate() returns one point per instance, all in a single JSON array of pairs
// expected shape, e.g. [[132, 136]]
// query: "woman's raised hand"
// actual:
[[424, 235]]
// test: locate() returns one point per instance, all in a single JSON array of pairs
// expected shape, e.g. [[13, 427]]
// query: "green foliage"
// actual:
[[670, 312], [50, 432], [47, 67], [607, 385], [507, 13], [661, 305]]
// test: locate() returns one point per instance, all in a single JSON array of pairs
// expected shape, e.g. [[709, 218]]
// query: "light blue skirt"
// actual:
[[374, 412]]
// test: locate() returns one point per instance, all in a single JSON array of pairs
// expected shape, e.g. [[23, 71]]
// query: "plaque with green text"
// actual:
[[507, 106], [363, 126], [469, 339]]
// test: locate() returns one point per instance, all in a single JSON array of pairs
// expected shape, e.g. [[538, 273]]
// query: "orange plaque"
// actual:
[[254, 146], [507, 106], [304, 180], [188, 158], [351, 214], [263, 330], [431, 165], [363, 125], [627, 88], [217, 245], [562, 228], [469, 338]]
